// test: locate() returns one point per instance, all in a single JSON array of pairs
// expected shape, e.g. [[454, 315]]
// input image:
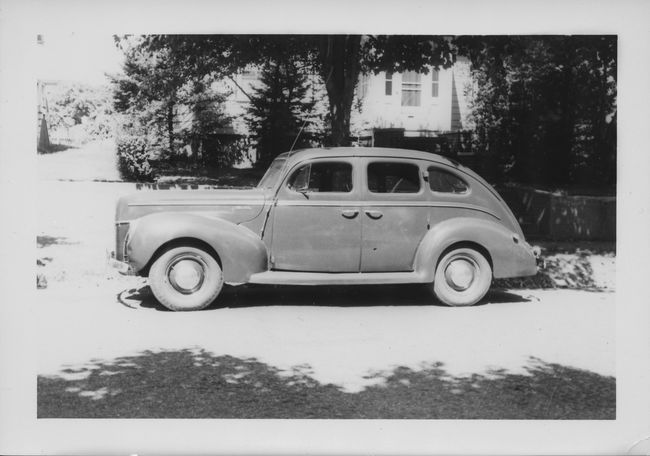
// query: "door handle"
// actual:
[[349, 213], [375, 215]]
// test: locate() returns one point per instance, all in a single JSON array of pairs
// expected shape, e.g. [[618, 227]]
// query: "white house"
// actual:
[[423, 104]]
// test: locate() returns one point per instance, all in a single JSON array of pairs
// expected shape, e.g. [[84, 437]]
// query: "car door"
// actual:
[[316, 222], [394, 216]]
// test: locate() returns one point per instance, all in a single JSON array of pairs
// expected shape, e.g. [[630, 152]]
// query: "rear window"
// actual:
[[393, 177], [445, 182]]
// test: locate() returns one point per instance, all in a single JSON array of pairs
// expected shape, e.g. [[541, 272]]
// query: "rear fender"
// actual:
[[510, 255], [240, 251]]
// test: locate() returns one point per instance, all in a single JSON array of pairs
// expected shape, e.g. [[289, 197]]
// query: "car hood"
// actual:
[[236, 206]]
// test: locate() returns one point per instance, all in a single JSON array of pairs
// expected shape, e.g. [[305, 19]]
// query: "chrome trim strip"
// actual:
[[206, 203], [387, 204], [312, 203], [335, 278]]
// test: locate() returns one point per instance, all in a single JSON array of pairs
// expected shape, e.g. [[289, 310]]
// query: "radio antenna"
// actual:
[[305, 122]]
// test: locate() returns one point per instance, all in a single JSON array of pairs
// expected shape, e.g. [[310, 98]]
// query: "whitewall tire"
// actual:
[[463, 276], [186, 278]]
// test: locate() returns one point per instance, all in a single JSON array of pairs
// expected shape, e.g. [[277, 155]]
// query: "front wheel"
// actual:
[[185, 278], [463, 276]]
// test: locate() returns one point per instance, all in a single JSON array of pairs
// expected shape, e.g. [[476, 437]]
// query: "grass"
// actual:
[[197, 384]]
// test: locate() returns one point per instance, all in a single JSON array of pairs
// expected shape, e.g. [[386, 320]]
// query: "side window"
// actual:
[[389, 84], [322, 177], [390, 177], [434, 83], [446, 182]]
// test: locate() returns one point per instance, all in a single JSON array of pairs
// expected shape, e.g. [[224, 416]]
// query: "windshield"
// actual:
[[272, 175]]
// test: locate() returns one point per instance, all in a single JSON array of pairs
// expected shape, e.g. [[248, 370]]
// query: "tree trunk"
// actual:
[[170, 125], [340, 70]]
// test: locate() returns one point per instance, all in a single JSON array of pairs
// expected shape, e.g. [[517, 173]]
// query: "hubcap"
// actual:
[[186, 275], [460, 274]]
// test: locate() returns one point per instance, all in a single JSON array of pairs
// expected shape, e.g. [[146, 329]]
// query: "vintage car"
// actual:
[[331, 216]]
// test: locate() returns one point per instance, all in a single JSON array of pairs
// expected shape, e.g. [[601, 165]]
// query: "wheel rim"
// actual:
[[186, 274], [460, 273]]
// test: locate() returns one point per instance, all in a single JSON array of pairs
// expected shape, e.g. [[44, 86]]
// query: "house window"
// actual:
[[411, 88], [389, 83], [434, 83]]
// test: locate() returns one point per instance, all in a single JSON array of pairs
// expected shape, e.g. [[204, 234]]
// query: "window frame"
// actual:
[[388, 84], [378, 195], [414, 87], [299, 166], [435, 84]]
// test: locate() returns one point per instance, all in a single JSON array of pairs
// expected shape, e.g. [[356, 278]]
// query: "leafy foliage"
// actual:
[[89, 107], [134, 155], [544, 107], [156, 97]]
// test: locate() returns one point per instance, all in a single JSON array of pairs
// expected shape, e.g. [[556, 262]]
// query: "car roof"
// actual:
[[382, 152]]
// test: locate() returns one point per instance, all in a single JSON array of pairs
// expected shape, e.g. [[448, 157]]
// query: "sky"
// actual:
[[77, 57]]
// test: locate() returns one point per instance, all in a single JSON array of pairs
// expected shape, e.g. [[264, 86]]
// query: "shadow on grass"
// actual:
[[330, 296], [197, 384], [188, 174]]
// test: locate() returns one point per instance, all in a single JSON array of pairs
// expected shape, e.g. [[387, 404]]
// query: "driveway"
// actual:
[[93, 161]]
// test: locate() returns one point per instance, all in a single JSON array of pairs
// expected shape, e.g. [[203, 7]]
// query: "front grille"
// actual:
[[121, 229]]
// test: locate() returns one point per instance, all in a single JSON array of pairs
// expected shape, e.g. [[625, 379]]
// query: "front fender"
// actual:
[[510, 257], [242, 253]]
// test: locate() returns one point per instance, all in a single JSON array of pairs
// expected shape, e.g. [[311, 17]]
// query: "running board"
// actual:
[[339, 278]]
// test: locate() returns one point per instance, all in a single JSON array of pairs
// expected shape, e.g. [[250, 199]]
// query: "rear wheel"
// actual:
[[185, 278], [462, 278]]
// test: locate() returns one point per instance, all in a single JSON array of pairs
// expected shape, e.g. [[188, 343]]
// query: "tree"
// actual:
[[545, 107], [339, 59], [279, 109], [75, 104], [148, 90], [157, 94]]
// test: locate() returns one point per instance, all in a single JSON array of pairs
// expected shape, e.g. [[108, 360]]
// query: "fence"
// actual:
[[552, 216]]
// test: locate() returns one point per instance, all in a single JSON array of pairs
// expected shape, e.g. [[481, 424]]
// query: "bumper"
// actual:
[[122, 267], [541, 264]]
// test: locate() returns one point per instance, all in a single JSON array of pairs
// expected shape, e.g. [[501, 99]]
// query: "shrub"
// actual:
[[134, 155]]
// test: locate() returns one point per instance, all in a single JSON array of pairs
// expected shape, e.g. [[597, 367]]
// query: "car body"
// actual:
[[329, 216]]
